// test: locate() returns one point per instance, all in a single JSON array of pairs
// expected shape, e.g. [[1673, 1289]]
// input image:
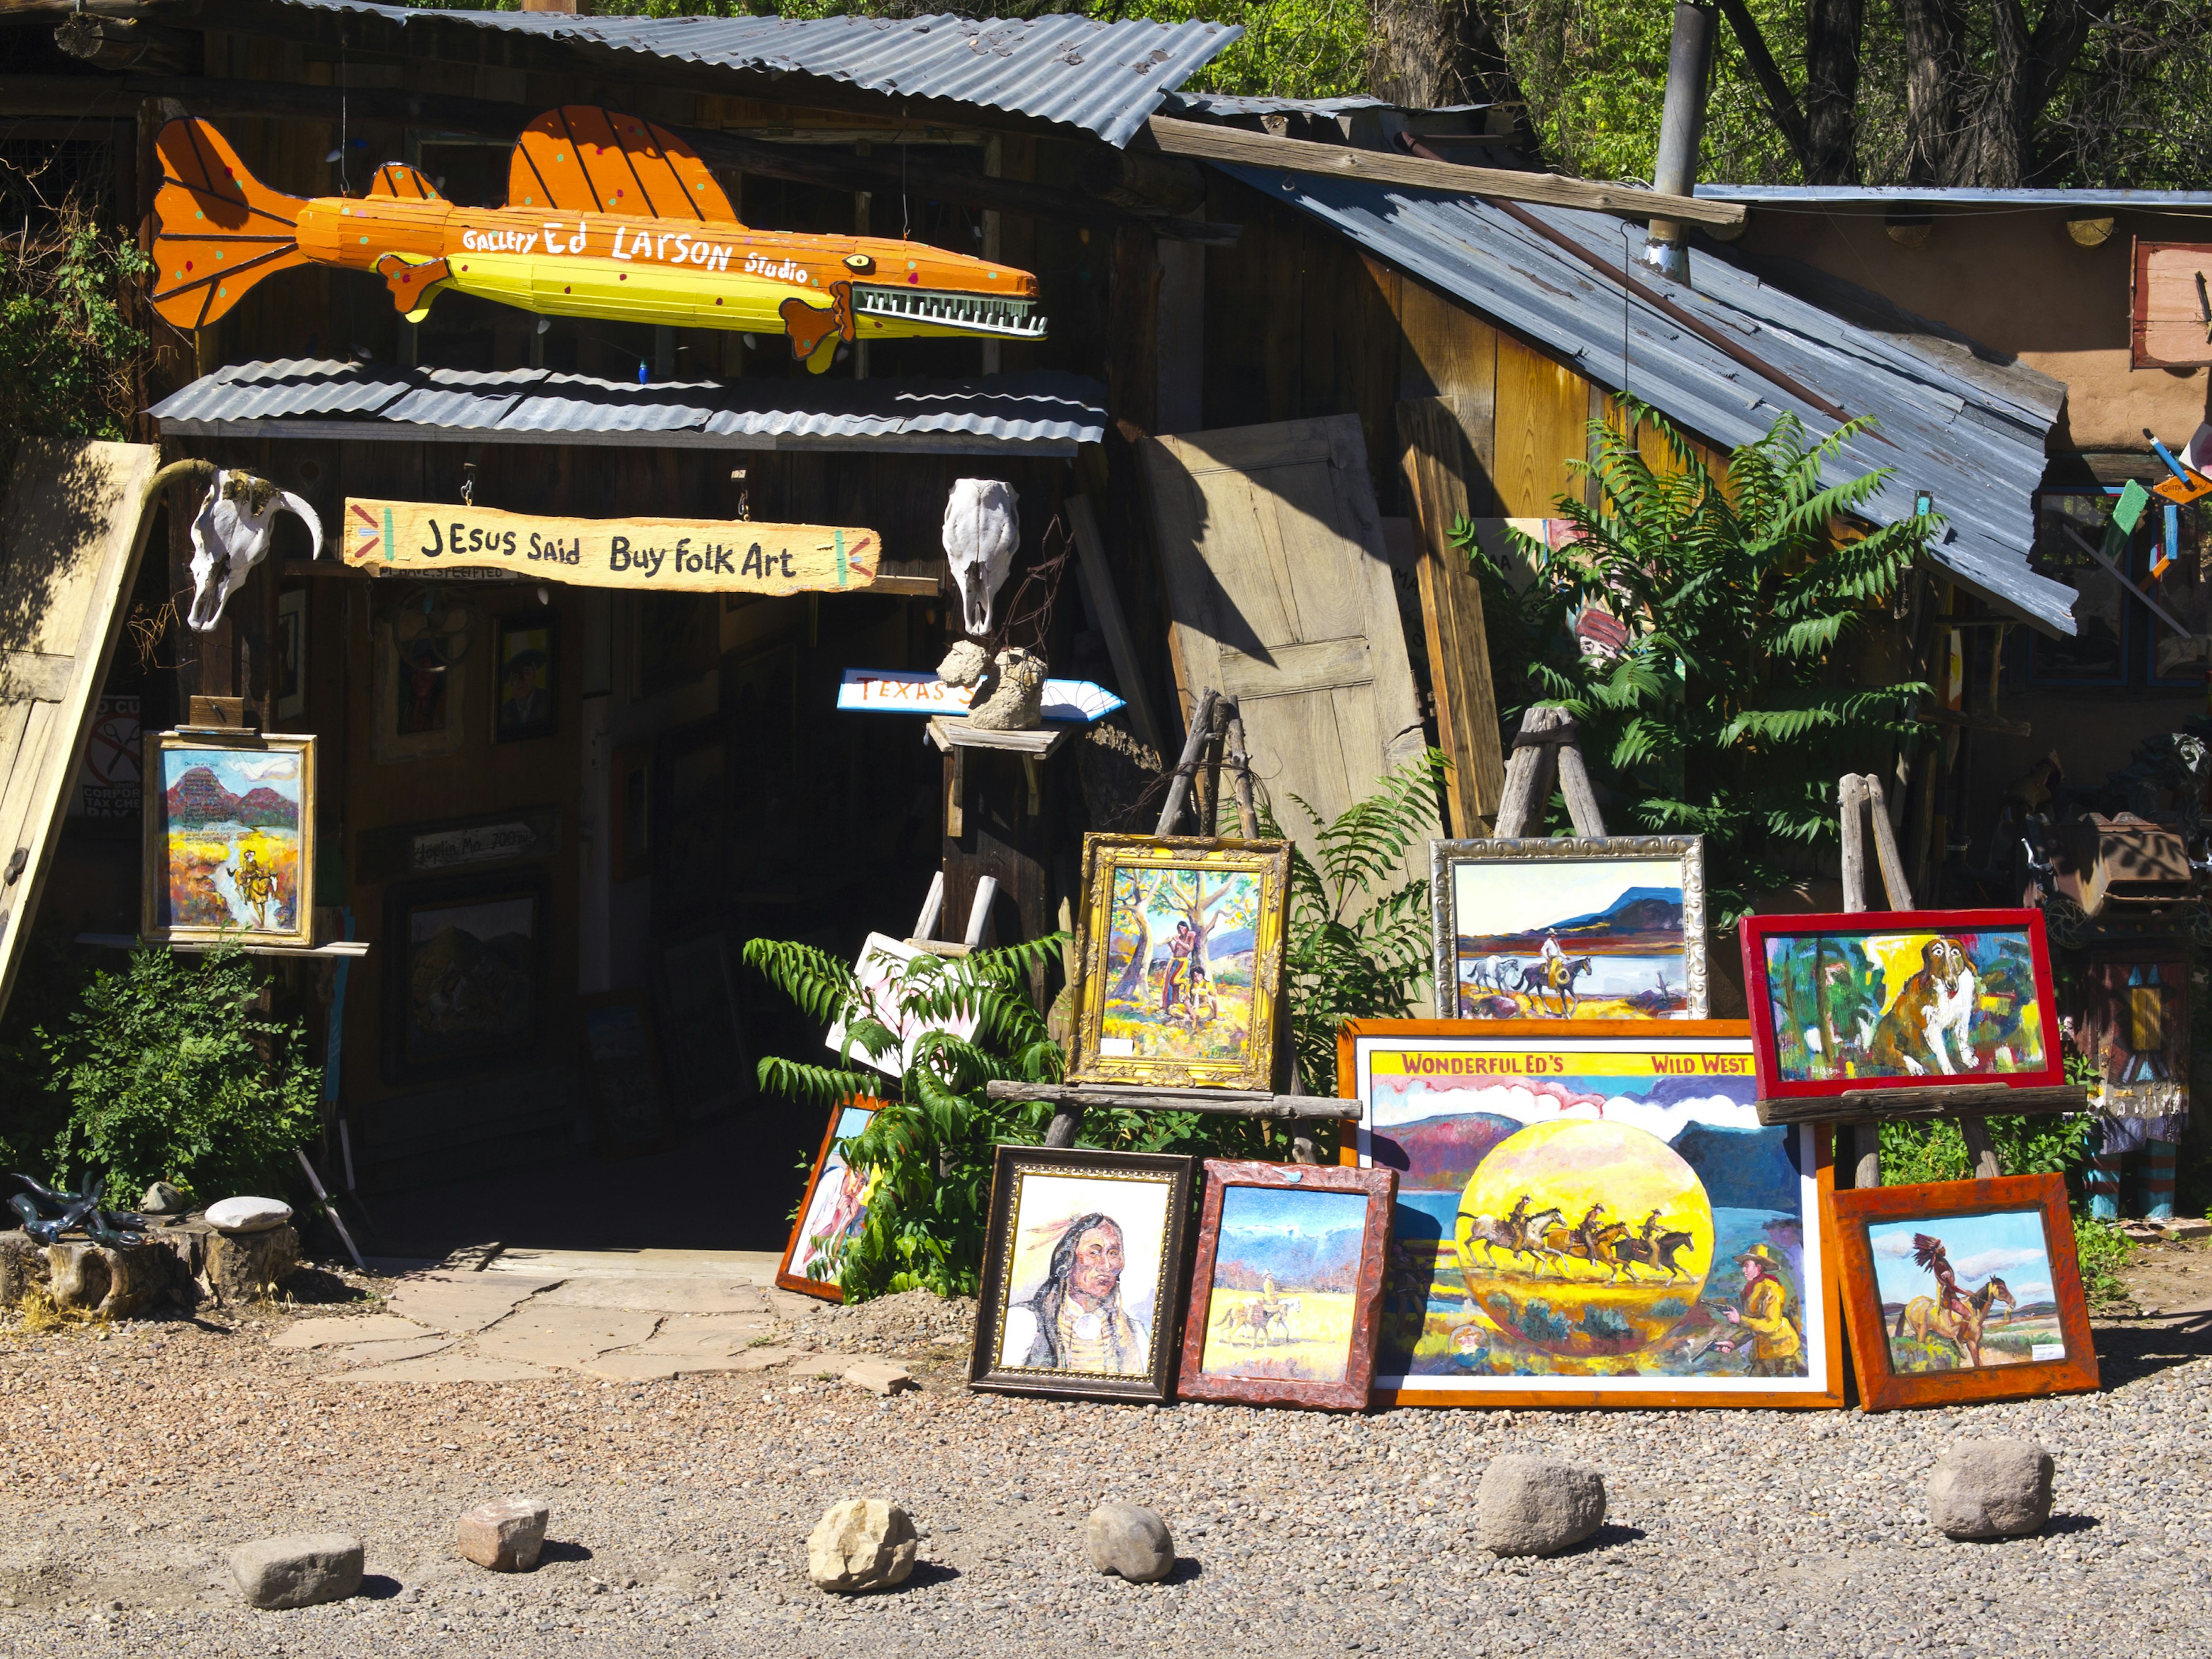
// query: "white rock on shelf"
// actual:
[[248, 1215]]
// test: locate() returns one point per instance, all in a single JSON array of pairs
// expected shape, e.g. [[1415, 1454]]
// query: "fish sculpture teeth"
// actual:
[[608, 215]]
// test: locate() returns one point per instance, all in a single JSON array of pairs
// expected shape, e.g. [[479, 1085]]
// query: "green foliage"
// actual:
[[171, 1078], [2102, 1250], [69, 361], [1727, 713], [1360, 943], [1924, 1151], [49, 982]]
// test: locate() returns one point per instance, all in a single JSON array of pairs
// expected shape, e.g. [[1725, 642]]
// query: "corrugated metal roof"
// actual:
[[1889, 197], [1043, 412], [1222, 106], [1974, 438], [1105, 78]]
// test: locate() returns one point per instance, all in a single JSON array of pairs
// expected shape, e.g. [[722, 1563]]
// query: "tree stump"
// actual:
[[109, 1284]]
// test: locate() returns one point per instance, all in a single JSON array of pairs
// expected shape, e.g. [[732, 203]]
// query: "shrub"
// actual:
[[170, 1077]]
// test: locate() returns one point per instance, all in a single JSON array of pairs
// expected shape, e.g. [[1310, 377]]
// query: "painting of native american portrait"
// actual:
[[230, 838], [1591, 1213], [1288, 1281], [1566, 927], [1963, 1289], [1183, 957], [1900, 999], [1082, 1272]]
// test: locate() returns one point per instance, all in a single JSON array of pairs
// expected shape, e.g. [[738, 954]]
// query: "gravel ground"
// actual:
[[680, 1507]]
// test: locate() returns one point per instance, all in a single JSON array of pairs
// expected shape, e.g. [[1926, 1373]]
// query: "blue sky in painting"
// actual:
[[1256, 1211], [240, 771]]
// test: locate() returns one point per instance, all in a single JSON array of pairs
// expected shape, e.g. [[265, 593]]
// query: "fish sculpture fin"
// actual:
[[815, 330], [398, 179], [414, 283], [582, 159], [217, 229]]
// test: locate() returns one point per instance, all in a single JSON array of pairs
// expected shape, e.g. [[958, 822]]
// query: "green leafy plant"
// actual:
[[2102, 1250], [1934, 1149], [170, 1077], [70, 361], [1725, 710]]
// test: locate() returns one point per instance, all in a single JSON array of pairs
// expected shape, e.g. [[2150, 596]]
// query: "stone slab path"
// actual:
[[619, 1315]]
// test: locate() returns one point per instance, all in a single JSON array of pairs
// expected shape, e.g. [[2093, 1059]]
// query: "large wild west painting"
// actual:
[[230, 834], [1183, 961], [1900, 999], [1602, 928], [1591, 1213]]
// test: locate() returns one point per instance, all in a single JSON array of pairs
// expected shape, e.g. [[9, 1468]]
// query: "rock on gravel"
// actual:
[[301, 1570], [504, 1536], [1537, 1505], [861, 1544], [1992, 1489], [1132, 1540], [880, 1376]]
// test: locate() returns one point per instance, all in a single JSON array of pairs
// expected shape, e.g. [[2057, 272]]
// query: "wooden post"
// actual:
[[1980, 1148], [1201, 729], [1545, 750], [1209, 777], [1574, 785], [1850, 791], [1885, 847], [1239, 774]]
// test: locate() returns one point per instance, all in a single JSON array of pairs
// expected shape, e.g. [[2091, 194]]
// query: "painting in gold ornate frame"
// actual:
[[1082, 1274], [230, 837], [1181, 957]]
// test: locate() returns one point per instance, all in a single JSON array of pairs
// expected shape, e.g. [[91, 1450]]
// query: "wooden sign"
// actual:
[[2172, 323], [695, 556]]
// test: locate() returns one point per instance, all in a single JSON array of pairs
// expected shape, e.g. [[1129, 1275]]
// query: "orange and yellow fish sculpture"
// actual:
[[607, 215]]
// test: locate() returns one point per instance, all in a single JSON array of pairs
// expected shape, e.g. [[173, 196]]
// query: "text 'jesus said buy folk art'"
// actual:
[[1590, 1216], [607, 215]]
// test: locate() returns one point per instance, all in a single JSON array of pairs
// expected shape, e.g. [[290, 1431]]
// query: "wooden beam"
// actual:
[[1926, 1101], [1213, 143], [1230, 1103]]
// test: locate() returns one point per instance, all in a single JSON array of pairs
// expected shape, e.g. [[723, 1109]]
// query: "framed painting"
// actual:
[[623, 1067], [1899, 1000], [1963, 1290], [1571, 927], [230, 837], [1287, 1284], [1082, 1273], [464, 972], [1592, 1214], [418, 696], [834, 1209], [290, 691], [525, 693], [1182, 958], [883, 964]]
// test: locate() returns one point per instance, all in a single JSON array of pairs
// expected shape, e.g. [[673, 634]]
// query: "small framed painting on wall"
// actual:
[[524, 702], [230, 837]]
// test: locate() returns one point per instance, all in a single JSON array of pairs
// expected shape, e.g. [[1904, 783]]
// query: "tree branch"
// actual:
[[1781, 102]]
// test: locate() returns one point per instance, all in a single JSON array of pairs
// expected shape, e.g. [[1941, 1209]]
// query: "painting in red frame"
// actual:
[[1985, 1288], [835, 1207], [1899, 1000], [1287, 1285]]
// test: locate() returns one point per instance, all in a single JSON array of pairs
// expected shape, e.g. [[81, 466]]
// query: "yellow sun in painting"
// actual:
[[1604, 1230]]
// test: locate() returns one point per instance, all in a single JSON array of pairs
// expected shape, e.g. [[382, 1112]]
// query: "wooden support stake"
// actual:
[[1851, 790], [956, 792], [1574, 785], [1240, 776], [1209, 777], [1202, 728], [1530, 772], [1885, 847], [1981, 1149]]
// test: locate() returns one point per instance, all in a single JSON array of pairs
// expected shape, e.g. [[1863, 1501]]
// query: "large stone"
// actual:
[[879, 1376], [336, 1332], [1990, 1489], [162, 1199], [1537, 1505], [248, 1215], [300, 1570], [1132, 1540], [504, 1536], [861, 1544]]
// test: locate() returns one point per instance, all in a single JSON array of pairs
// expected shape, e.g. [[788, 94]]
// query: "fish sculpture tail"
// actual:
[[217, 229]]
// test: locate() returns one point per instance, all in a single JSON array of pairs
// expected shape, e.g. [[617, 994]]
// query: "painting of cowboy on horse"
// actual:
[[1556, 939]]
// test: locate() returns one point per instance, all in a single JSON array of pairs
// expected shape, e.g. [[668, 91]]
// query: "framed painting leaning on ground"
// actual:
[[230, 837], [1963, 1290], [1591, 1215], [1287, 1284], [1571, 927], [1899, 1000], [835, 1210], [1181, 954], [1082, 1273]]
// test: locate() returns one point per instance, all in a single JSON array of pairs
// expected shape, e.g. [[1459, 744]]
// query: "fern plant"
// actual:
[[1724, 711]]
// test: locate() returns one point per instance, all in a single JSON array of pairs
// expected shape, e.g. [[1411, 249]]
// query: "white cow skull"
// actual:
[[982, 528], [230, 536]]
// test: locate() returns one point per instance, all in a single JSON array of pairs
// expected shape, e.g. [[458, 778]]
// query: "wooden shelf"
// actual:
[[1039, 741], [1232, 1102], [337, 949], [1926, 1101]]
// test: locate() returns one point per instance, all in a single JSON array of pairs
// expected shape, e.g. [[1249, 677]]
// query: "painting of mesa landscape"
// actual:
[[226, 843], [1594, 1214]]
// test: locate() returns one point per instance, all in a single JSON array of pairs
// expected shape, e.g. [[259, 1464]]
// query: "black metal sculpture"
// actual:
[[47, 1214]]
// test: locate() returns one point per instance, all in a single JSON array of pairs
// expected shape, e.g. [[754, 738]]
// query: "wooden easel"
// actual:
[[1865, 1110], [1548, 748], [1216, 742]]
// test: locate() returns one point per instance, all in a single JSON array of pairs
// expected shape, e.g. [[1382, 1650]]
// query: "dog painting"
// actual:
[[1900, 999]]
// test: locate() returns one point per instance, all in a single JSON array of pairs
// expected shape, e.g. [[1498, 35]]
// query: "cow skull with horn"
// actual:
[[982, 529], [230, 536]]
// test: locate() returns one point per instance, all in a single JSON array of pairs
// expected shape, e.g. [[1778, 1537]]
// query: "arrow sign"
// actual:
[[898, 691]]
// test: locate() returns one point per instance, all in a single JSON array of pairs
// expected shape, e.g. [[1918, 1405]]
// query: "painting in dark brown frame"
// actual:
[[1284, 1315], [526, 695], [1059, 1216], [1860, 1213], [848, 1208]]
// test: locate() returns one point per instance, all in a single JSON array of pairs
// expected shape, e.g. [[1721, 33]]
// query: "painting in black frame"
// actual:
[[464, 972]]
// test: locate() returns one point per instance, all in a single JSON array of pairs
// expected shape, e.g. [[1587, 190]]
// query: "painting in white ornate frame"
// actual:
[[1521, 922]]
